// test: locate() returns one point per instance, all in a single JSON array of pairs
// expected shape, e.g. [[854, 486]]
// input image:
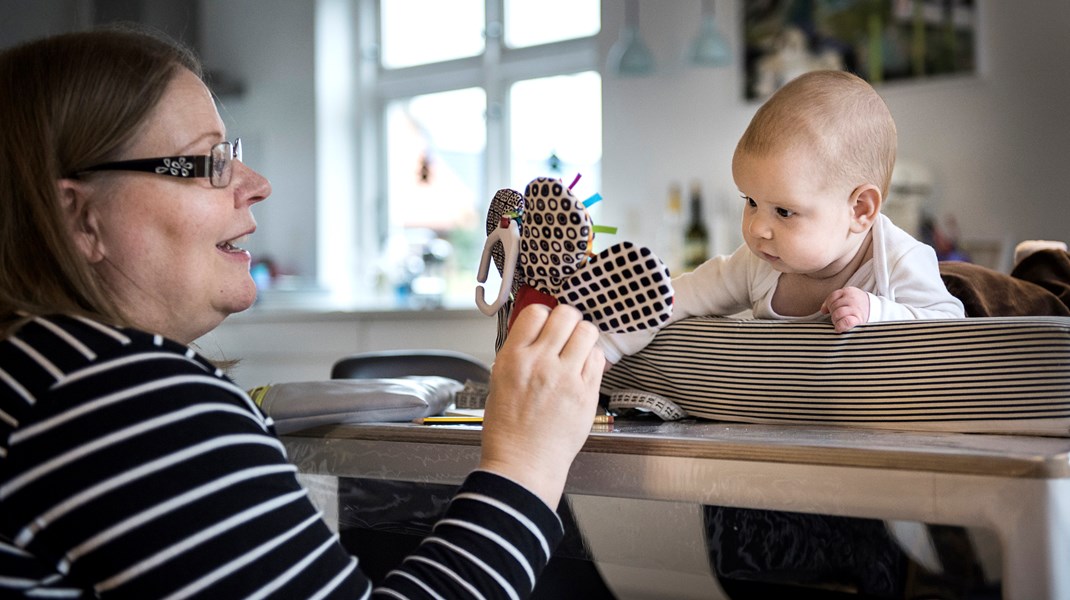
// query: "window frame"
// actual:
[[495, 71]]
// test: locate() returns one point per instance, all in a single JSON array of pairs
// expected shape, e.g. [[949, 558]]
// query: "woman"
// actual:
[[129, 466]]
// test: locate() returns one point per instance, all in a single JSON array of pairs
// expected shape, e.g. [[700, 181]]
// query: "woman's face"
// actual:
[[169, 248]]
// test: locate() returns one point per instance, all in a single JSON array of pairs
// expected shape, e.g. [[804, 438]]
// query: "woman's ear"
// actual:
[[80, 218], [865, 207]]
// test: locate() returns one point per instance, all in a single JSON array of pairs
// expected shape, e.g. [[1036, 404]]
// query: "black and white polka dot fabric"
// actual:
[[556, 234], [623, 288]]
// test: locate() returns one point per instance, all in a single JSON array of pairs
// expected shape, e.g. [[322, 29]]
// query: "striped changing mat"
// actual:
[[995, 374]]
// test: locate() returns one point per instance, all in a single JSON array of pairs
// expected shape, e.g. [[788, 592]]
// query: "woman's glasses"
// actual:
[[217, 166]]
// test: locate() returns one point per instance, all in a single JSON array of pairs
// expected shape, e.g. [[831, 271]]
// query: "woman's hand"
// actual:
[[543, 395]]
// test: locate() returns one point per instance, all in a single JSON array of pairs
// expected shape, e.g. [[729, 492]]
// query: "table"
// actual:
[[1016, 487]]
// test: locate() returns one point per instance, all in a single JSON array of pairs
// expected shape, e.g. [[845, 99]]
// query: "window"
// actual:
[[456, 100]]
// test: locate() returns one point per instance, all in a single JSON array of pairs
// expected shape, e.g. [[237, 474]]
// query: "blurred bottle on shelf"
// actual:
[[696, 236], [671, 244]]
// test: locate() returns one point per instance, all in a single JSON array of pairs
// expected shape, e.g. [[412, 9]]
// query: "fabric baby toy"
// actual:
[[542, 244]]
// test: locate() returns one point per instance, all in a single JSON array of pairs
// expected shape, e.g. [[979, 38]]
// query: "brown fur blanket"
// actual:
[[1038, 286]]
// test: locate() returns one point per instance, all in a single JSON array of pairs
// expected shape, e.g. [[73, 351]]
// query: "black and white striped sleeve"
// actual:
[[493, 541]]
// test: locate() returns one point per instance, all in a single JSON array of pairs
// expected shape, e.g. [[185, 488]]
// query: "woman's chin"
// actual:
[[241, 298]]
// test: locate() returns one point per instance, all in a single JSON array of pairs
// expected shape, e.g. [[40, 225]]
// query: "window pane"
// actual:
[[534, 22], [417, 32], [435, 173], [556, 130]]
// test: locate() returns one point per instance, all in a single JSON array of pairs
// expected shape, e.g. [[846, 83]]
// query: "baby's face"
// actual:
[[793, 217]]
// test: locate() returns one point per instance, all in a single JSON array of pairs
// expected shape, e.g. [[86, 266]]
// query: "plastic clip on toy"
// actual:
[[507, 235], [621, 289]]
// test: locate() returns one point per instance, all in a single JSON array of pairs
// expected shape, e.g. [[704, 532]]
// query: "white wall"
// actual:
[[996, 142], [268, 45], [23, 20]]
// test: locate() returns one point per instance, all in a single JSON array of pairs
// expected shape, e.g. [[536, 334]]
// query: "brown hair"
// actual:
[[836, 114], [67, 102]]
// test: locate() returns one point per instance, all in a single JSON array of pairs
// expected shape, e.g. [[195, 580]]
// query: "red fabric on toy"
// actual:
[[526, 296]]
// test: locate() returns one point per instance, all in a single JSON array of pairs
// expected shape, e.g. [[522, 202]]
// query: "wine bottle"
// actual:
[[696, 236], [671, 241]]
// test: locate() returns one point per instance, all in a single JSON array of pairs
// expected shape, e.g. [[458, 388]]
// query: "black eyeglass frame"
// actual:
[[193, 165]]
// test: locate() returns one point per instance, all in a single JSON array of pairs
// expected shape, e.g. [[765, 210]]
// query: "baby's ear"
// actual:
[[865, 206], [80, 219]]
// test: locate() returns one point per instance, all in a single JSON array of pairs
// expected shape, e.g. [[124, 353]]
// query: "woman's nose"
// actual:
[[252, 187]]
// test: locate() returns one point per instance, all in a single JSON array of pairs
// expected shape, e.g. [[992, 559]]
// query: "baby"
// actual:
[[813, 167]]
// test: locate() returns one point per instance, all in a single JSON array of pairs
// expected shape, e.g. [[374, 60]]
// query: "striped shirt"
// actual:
[[130, 467]]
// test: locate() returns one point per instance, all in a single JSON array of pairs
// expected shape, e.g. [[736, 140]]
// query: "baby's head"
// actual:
[[833, 116], [814, 166]]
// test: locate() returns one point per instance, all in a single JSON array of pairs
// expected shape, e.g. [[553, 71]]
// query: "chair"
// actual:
[[399, 363]]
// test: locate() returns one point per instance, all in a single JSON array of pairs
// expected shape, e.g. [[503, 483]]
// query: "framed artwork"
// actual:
[[880, 40]]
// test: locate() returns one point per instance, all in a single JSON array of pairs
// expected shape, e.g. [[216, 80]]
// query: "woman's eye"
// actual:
[[784, 212]]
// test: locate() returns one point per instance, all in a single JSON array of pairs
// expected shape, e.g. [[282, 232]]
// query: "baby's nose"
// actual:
[[759, 228]]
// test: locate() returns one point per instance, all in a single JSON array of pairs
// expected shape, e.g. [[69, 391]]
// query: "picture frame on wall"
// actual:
[[879, 40]]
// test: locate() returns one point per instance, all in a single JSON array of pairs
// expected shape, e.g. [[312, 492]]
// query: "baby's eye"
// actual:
[[750, 201], [784, 212]]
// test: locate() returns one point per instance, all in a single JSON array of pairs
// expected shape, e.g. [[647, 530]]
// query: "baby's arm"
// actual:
[[616, 346], [916, 290]]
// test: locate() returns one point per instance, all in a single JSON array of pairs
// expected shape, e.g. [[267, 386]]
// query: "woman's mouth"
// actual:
[[232, 247]]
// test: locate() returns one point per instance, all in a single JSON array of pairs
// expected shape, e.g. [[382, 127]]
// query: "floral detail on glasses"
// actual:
[[217, 166], [177, 168]]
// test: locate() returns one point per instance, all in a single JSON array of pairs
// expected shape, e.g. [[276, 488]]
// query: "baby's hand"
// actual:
[[848, 307]]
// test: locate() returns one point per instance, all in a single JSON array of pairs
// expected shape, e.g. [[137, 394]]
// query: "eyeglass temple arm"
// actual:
[[201, 166]]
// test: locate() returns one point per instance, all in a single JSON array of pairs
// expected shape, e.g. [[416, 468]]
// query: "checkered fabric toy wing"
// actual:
[[555, 236], [623, 288]]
